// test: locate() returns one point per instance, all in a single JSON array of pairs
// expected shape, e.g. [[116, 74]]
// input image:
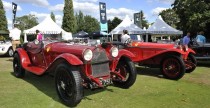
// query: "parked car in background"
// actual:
[[76, 66], [6, 48], [202, 50], [173, 60]]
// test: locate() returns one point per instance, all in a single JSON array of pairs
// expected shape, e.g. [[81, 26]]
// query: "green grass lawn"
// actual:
[[149, 91]]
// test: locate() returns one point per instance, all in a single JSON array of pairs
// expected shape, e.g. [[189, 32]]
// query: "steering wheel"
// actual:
[[128, 41], [36, 42]]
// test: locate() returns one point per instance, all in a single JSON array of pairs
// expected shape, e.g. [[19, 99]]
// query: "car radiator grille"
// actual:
[[100, 63]]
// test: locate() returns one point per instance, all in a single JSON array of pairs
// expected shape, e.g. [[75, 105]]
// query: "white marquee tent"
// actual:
[[161, 27], [48, 26], [127, 24]]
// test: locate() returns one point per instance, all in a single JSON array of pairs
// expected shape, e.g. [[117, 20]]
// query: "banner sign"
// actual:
[[103, 17], [14, 10]]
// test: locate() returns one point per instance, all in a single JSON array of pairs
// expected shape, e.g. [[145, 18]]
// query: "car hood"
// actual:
[[76, 49], [152, 45], [5, 44]]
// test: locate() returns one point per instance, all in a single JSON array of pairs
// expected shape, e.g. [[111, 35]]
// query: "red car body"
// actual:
[[73, 72], [173, 60]]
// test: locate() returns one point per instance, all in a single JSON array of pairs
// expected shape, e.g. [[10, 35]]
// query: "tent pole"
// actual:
[[25, 38], [146, 37]]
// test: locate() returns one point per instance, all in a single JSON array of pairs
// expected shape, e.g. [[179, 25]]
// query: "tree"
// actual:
[[52, 16], [114, 23], [27, 21], [91, 24], [170, 17], [194, 14], [3, 19], [143, 20], [69, 21], [80, 21]]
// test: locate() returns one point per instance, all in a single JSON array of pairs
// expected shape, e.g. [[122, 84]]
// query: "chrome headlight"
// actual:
[[114, 51], [3, 48], [87, 55]]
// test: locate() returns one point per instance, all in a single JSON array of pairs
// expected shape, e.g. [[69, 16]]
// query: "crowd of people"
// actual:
[[200, 38]]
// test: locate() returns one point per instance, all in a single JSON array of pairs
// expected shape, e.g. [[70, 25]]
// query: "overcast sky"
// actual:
[[115, 8]]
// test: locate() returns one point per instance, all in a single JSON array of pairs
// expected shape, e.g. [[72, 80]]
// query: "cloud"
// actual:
[[58, 19], [42, 16], [85, 0], [9, 22], [166, 1], [157, 10], [86, 7], [92, 9], [120, 13], [58, 7], [41, 3], [161, 1], [8, 6]]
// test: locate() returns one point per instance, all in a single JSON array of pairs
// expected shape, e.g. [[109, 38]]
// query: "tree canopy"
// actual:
[[69, 21], [113, 23], [26, 22], [143, 20], [170, 17], [194, 14], [80, 21], [52, 16], [3, 19], [91, 24]]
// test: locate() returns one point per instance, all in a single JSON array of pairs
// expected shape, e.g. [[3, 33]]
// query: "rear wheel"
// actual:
[[17, 67], [173, 67], [68, 84], [192, 62], [126, 69]]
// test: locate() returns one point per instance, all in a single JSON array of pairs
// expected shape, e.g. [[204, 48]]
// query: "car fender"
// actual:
[[25, 61], [122, 54], [191, 51], [70, 58]]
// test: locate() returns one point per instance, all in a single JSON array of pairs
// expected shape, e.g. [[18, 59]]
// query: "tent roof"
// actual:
[[127, 24], [47, 26], [81, 34], [161, 27]]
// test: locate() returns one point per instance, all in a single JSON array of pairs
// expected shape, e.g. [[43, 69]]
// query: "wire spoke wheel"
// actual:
[[68, 85], [127, 70], [173, 67], [191, 63], [17, 67]]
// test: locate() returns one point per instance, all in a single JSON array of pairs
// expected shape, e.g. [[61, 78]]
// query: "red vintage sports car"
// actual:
[[173, 60], [76, 66]]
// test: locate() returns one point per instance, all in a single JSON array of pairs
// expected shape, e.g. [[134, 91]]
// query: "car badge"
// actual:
[[136, 44], [48, 49]]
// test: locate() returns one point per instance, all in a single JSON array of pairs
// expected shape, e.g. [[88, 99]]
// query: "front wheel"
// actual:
[[173, 67], [192, 62], [10, 52], [19, 71], [68, 84], [126, 69]]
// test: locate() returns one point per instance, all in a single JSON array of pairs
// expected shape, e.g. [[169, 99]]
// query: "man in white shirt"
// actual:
[[125, 36], [15, 36]]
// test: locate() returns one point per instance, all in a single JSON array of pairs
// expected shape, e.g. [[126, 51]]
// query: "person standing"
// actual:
[[201, 38], [186, 39], [38, 35], [15, 36], [125, 36]]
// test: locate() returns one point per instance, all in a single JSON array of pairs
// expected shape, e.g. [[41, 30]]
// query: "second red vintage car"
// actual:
[[173, 60], [76, 66]]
